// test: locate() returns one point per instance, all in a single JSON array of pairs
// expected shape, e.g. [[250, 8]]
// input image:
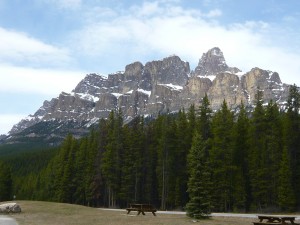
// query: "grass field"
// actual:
[[47, 213]]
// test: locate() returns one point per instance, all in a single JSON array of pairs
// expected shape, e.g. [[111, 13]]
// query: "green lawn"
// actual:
[[47, 213]]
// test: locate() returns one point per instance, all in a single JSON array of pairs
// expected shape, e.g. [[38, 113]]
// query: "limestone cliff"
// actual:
[[157, 87]]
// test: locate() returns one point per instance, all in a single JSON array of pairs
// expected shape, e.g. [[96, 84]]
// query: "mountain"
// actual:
[[160, 86]]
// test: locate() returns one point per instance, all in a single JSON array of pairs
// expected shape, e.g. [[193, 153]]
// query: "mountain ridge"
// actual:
[[159, 86]]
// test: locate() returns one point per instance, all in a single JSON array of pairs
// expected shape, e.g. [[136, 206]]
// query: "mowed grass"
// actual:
[[48, 213]]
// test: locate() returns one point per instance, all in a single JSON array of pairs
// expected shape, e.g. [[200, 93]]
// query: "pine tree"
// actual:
[[167, 145], [242, 191], [204, 119], [60, 171], [93, 143], [80, 172], [286, 194], [257, 155], [221, 156], [183, 146], [273, 146], [191, 117], [150, 155], [199, 184], [5, 182], [132, 169], [111, 163], [67, 185], [292, 136], [97, 183]]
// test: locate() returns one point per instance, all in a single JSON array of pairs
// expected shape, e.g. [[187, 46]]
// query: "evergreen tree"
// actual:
[[205, 115], [97, 184], [80, 172], [67, 183], [191, 116], [150, 155], [199, 184], [286, 194], [91, 168], [273, 144], [257, 155], [221, 156], [242, 191], [132, 170], [5, 182], [60, 172], [111, 163], [183, 146], [292, 136], [166, 161]]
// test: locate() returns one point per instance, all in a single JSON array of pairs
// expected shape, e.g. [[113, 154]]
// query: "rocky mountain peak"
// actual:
[[212, 63], [134, 71], [159, 86]]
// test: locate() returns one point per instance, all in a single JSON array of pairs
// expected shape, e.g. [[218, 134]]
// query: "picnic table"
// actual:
[[141, 208], [275, 220]]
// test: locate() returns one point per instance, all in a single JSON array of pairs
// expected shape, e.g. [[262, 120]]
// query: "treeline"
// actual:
[[19, 171], [199, 159]]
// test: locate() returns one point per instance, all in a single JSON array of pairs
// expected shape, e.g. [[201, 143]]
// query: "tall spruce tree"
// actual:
[[292, 136], [183, 146], [132, 162], [286, 194], [150, 155], [273, 147], [67, 186], [112, 158], [166, 171], [191, 116], [80, 172], [242, 191], [91, 168], [221, 156], [257, 155], [5, 182], [62, 171], [199, 184], [204, 118]]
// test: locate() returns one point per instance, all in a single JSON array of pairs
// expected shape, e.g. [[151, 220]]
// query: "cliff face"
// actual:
[[158, 87]]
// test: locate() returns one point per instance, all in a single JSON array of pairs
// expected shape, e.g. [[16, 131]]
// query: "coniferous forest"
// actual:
[[195, 160]]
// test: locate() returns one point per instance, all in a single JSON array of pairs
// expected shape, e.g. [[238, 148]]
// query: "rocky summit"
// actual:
[[166, 85]]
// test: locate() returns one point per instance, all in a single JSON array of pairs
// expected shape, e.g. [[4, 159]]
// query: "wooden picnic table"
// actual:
[[275, 220], [141, 208]]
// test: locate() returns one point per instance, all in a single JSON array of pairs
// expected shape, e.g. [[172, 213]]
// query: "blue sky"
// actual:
[[47, 46]]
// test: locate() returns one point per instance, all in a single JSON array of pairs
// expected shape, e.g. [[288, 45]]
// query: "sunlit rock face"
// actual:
[[160, 86]]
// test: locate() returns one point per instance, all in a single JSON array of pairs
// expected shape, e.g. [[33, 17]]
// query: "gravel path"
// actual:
[[5, 220], [240, 215]]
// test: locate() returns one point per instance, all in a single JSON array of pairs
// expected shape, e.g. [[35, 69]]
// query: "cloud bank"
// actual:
[[19, 48], [105, 36], [160, 28]]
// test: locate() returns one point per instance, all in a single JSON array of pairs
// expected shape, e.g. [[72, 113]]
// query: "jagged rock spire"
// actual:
[[213, 63]]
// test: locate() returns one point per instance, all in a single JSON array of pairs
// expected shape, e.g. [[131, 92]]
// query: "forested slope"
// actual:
[[238, 161]]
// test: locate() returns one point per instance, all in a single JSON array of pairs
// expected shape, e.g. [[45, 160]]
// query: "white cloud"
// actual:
[[65, 4], [7, 121], [17, 47], [42, 84], [155, 27], [38, 81], [214, 13], [147, 9]]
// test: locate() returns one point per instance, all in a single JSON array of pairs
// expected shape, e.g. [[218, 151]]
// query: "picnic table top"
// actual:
[[275, 219]]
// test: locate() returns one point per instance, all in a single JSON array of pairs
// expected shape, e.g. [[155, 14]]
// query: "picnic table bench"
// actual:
[[275, 220], [141, 208]]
